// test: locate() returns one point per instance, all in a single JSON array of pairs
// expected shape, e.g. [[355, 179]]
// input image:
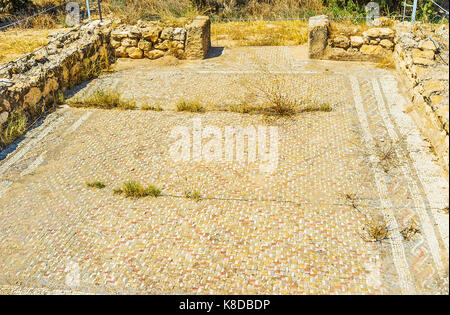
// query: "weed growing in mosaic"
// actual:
[[386, 63], [133, 189], [105, 100], [190, 106], [386, 152], [96, 184], [376, 230], [410, 230], [15, 127]]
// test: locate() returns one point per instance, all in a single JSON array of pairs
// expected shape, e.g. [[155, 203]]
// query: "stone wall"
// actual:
[[425, 70], [36, 81], [417, 60], [33, 83], [155, 39], [349, 43]]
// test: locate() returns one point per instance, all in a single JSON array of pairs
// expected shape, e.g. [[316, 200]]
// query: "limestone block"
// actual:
[[167, 33], [145, 45], [154, 54], [427, 45], [382, 22], [152, 33], [179, 34], [341, 41], [129, 42], [32, 97], [423, 61], [379, 32], [121, 52], [318, 36]]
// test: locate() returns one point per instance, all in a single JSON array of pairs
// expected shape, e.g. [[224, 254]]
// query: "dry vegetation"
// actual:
[[259, 33], [15, 127], [16, 42], [133, 189]]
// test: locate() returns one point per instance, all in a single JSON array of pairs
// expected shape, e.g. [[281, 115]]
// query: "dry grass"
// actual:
[[104, 100], [190, 106], [96, 184], [16, 42], [15, 127], [260, 33], [133, 189], [410, 230]]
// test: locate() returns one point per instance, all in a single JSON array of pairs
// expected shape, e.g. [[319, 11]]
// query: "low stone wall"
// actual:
[[35, 82], [155, 39], [374, 44], [425, 72]]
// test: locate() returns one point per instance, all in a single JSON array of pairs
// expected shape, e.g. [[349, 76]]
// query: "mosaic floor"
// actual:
[[288, 230]]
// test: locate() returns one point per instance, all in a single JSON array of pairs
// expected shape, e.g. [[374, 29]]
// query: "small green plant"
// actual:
[[15, 127], [156, 108], [96, 184], [190, 106], [195, 195], [133, 189], [105, 100]]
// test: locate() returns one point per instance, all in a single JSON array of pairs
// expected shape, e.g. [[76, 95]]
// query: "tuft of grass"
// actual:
[[190, 106], [15, 127], [96, 184], [195, 195], [105, 100], [133, 189], [244, 108], [152, 107], [376, 230], [410, 230]]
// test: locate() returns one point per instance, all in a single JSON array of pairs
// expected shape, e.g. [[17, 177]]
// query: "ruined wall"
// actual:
[[425, 70], [35, 82], [350, 43]]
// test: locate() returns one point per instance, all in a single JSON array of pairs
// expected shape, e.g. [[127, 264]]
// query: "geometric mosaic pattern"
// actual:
[[288, 232]]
